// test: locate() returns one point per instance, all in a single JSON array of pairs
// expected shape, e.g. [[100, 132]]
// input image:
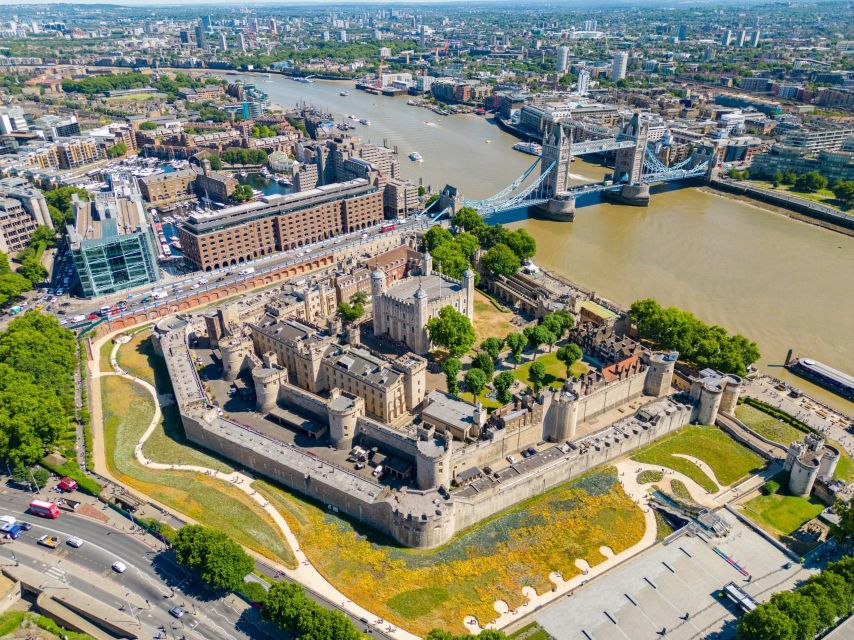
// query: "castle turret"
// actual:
[[377, 291], [343, 411], [468, 285], [233, 352], [562, 416], [659, 375], [377, 282], [433, 460], [267, 383], [426, 264], [732, 389], [709, 403]]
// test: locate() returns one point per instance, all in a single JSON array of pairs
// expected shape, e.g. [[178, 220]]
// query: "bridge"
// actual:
[[635, 168]]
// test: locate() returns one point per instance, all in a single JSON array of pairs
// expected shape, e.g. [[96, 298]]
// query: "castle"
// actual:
[[263, 381]]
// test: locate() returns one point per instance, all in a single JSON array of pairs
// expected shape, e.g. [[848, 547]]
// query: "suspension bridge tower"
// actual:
[[556, 159], [628, 166]]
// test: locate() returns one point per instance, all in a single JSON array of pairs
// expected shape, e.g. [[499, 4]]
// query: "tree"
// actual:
[[554, 323], [44, 234], [436, 236], [541, 335], [32, 270], [492, 346], [451, 367], [537, 374], [287, 606], [216, 162], [516, 342], [242, 193], [844, 192], [147, 126], [801, 610], [350, 312], [766, 622], [117, 150], [569, 354], [485, 363], [500, 260], [448, 259], [219, 561], [502, 383], [467, 244], [521, 243], [469, 219], [475, 380], [452, 330], [810, 182]]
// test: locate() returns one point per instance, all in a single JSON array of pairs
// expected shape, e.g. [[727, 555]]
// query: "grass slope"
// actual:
[[782, 514], [555, 370], [728, 460], [767, 426]]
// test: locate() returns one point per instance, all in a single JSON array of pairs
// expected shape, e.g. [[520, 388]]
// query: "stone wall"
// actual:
[[609, 396], [485, 452]]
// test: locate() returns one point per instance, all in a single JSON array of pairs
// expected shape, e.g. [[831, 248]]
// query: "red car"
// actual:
[[67, 484]]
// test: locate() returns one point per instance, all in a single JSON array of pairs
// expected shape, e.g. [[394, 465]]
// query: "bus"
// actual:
[[44, 509], [388, 227]]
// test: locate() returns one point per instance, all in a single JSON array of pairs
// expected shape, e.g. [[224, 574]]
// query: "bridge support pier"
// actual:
[[559, 208], [636, 195]]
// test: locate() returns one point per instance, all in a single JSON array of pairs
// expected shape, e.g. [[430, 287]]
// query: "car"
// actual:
[[360, 465], [512, 459], [26, 526], [531, 451], [525, 453], [51, 542], [119, 566], [75, 542], [196, 286], [67, 485], [177, 612]]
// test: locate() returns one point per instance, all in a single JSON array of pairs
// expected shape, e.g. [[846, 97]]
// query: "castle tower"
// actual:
[[343, 412], [709, 403], [468, 285], [233, 354], [426, 264], [732, 389], [478, 419], [562, 417], [829, 460], [377, 291], [659, 375], [422, 343], [433, 460], [557, 148], [267, 383]]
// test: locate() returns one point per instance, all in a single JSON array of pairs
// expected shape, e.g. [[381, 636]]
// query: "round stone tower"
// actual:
[[377, 282], [562, 417], [802, 475], [267, 383], [732, 389], [343, 412], [468, 285], [433, 463], [659, 375], [829, 460], [709, 403], [233, 353]]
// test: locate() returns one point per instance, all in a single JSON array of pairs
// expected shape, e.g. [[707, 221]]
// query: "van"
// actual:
[[246, 272], [79, 318], [378, 472], [12, 531]]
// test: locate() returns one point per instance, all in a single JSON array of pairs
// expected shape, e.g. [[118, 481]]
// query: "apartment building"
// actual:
[[400, 198], [73, 153], [163, 189], [16, 226], [244, 232], [829, 139]]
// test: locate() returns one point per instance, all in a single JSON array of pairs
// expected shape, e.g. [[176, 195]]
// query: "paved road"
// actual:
[[151, 585]]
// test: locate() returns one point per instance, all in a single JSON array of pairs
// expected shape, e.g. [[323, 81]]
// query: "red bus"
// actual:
[[44, 509], [388, 227]]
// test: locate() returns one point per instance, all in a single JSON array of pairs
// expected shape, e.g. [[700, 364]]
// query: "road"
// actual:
[[152, 584], [177, 288]]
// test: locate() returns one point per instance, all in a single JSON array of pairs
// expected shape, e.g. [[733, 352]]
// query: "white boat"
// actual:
[[344, 93], [352, 117], [365, 122], [416, 157], [529, 147], [243, 174]]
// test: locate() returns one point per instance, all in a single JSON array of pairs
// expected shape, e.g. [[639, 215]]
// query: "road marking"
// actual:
[[56, 573]]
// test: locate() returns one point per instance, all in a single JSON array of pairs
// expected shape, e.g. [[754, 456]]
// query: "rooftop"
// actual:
[[434, 286], [448, 409]]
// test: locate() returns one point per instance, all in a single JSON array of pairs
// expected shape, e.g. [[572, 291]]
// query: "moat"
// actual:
[[784, 283]]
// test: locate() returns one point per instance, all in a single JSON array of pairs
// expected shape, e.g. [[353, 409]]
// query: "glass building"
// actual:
[[112, 243]]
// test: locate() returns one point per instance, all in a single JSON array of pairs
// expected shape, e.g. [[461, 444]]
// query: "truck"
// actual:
[[79, 318], [12, 531], [246, 271]]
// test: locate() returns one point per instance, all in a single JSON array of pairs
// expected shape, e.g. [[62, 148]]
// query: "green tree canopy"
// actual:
[[810, 182], [469, 220], [476, 379], [537, 374], [485, 363], [516, 343], [220, 562], [435, 236], [502, 383], [452, 330], [287, 606], [451, 367], [242, 193], [569, 354], [500, 260], [493, 347], [844, 192], [521, 243]]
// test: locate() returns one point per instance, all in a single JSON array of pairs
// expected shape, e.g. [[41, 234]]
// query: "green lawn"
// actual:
[[782, 514], [555, 370], [823, 196], [845, 466], [768, 426], [728, 460], [127, 411]]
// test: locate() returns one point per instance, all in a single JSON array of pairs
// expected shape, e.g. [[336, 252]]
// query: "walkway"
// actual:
[[305, 573]]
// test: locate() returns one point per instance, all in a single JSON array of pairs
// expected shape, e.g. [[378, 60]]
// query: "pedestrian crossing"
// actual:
[[56, 573]]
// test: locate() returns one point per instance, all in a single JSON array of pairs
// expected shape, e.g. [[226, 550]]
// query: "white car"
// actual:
[[75, 542], [119, 566]]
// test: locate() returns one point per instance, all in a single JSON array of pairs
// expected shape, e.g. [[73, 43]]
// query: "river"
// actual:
[[781, 282]]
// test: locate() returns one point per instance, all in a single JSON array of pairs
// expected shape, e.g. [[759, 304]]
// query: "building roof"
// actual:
[[434, 287], [449, 410], [360, 364]]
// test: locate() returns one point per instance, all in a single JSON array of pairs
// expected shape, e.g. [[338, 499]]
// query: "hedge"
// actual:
[[781, 415], [254, 592], [73, 471]]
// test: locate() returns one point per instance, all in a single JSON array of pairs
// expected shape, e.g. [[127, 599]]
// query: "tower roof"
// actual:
[[377, 274]]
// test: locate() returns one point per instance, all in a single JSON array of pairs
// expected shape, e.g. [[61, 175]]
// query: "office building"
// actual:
[[562, 59], [163, 189], [583, 82], [618, 66], [828, 139], [742, 38], [55, 127], [754, 42], [200, 36], [342, 36], [12, 120], [726, 37], [400, 198], [112, 244], [22, 210], [184, 36], [233, 235]]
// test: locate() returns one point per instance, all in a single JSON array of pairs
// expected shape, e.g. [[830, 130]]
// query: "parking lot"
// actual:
[[673, 590]]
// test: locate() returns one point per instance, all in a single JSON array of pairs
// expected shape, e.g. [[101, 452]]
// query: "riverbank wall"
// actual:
[[806, 210]]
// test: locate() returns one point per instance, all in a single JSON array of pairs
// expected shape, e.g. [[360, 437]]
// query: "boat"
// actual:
[[344, 94], [175, 242], [352, 117], [365, 122], [243, 174], [305, 80], [529, 147], [416, 157], [839, 382]]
